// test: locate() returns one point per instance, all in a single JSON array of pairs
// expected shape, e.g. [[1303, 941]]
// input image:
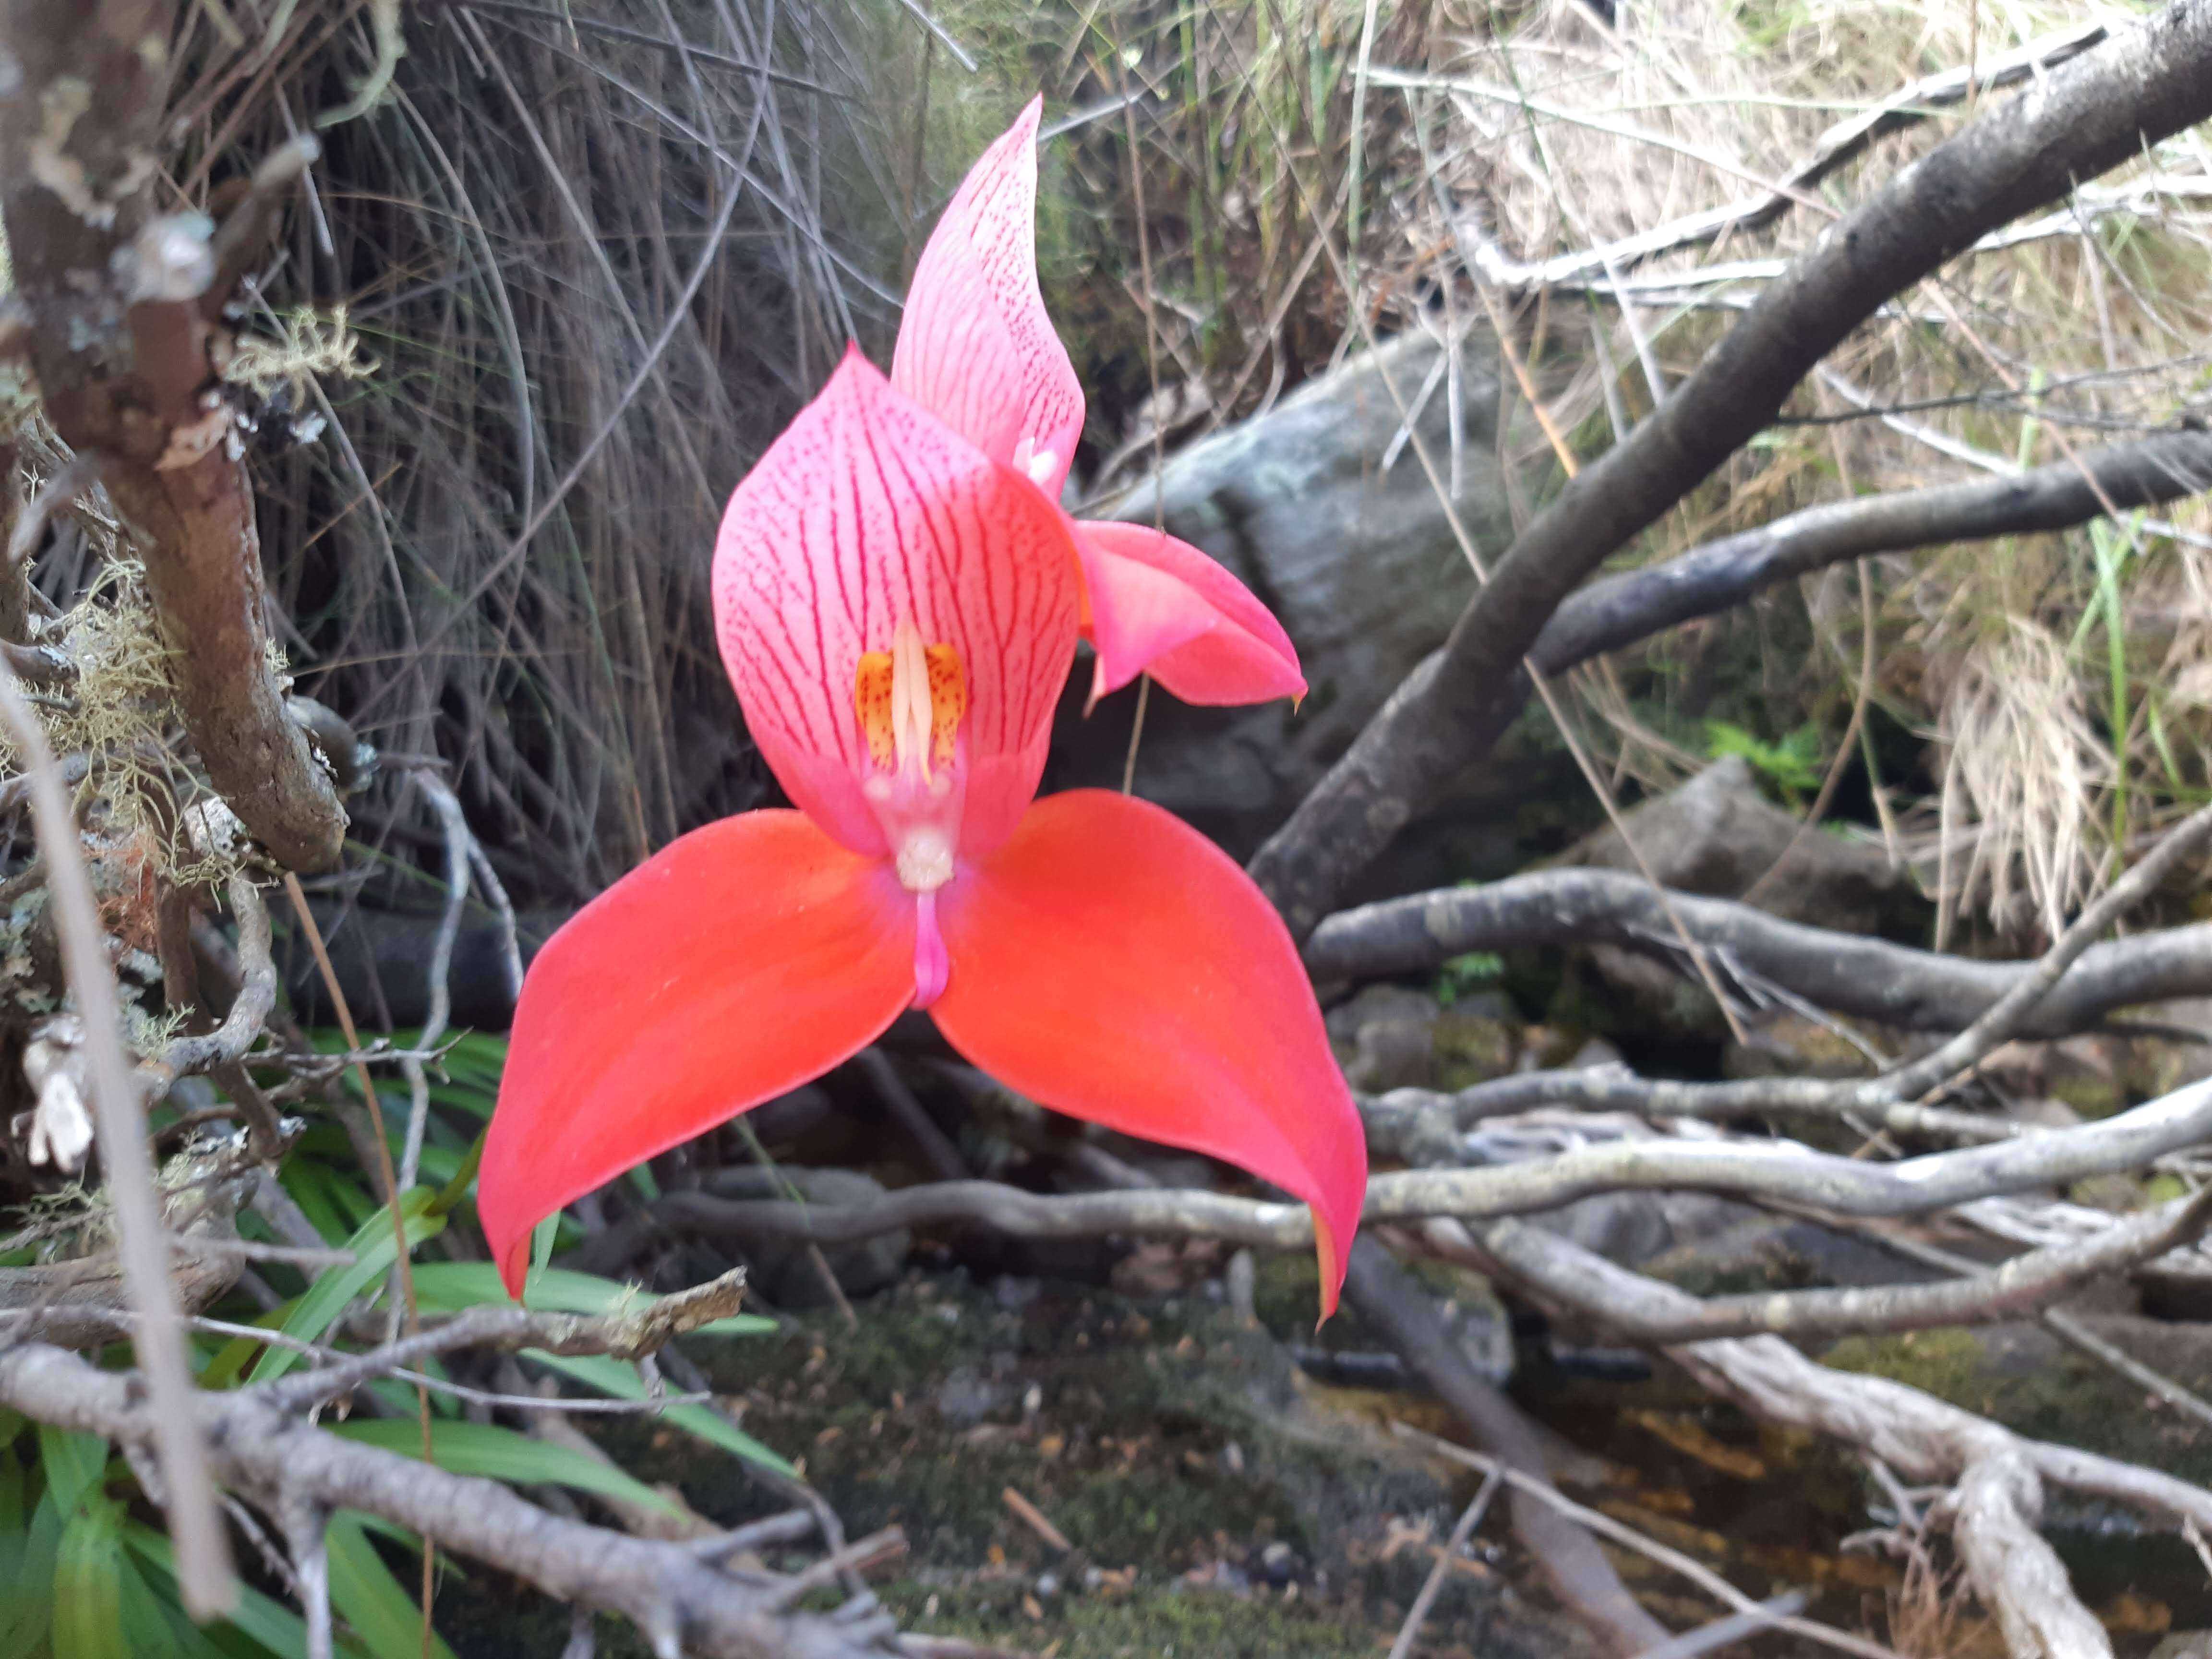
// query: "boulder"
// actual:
[[1346, 541], [1390, 1037], [1717, 835]]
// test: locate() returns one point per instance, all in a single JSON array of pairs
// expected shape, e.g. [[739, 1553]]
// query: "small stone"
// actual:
[[966, 1397]]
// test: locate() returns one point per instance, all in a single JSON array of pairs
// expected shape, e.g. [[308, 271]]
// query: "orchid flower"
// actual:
[[897, 596]]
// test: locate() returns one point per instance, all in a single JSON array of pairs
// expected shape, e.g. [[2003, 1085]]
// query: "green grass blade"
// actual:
[[268, 1624], [384, 1616], [499, 1453], [87, 1613], [620, 1382], [373, 1252]]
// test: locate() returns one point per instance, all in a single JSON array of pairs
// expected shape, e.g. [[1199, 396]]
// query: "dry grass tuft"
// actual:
[[2024, 774]]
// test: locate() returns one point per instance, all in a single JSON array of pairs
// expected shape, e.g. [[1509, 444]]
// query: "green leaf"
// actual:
[[386, 1618], [311, 1185], [498, 1454], [73, 1463], [621, 1381], [87, 1616], [269, 1623], [335, 1288], [14, 1504], [541, 1247], [153, 1624], [26, 1604]]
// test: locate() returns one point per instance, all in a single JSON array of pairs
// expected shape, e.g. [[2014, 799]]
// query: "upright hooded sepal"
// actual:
[[976, 345]]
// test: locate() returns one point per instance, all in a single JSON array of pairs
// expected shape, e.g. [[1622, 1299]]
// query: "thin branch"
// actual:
[[256, 992], [2025, 1285], [1471, 1517], [204, 1570], [1919, 1437], [275, 1457], [629, 1335], [459, 842], [1836, 146], [1847, 974], [1569, 1559], [1765, 1171], [2010, 1014], [1616, 611], [1702, 1576]]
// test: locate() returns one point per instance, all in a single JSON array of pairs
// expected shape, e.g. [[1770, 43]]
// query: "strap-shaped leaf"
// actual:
[[621, 1381], [373, 1252], [499, 1453], [386, 1619]]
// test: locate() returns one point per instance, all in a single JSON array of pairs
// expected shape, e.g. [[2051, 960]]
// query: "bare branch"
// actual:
[[2024, 1285], [275, 1458], [256, 992], [1839, 144], [458, 843], [1569, 1559], [203, 1574], [2144, 84], [1845, 973], [1598, 1521], [1619, 610], [1764, 1171], [124, 370], [629, 1335]]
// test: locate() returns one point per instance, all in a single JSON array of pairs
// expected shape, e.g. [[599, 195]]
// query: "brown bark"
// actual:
[[119, 338]]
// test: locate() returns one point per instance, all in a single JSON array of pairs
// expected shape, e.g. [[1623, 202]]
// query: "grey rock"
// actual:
[[1355, 559], [1390, 1035], [966, 1397], [1717, 835]]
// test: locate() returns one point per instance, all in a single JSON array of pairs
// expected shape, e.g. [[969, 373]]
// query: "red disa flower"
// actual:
[[898, 596]]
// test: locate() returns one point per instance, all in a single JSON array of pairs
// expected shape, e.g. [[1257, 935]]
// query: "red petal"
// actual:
[[1113, 964], [734, 965], [869, 511], [976, 346], [1160, 607]]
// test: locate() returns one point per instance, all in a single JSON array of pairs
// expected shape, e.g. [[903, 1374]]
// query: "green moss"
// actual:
[[2091, 1095], [1149, 1432], [1172, 1622], [2024, 1378], [1470, 1050]]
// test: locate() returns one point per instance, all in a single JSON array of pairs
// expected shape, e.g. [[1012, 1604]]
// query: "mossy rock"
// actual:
[[1174, 1621], [2022, 1377], [1471, 1049]]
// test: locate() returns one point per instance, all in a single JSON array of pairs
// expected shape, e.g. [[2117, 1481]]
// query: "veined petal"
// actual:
[[1160, 607], [734, 965], [975, 345], [867, 513], [1112, 964]]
